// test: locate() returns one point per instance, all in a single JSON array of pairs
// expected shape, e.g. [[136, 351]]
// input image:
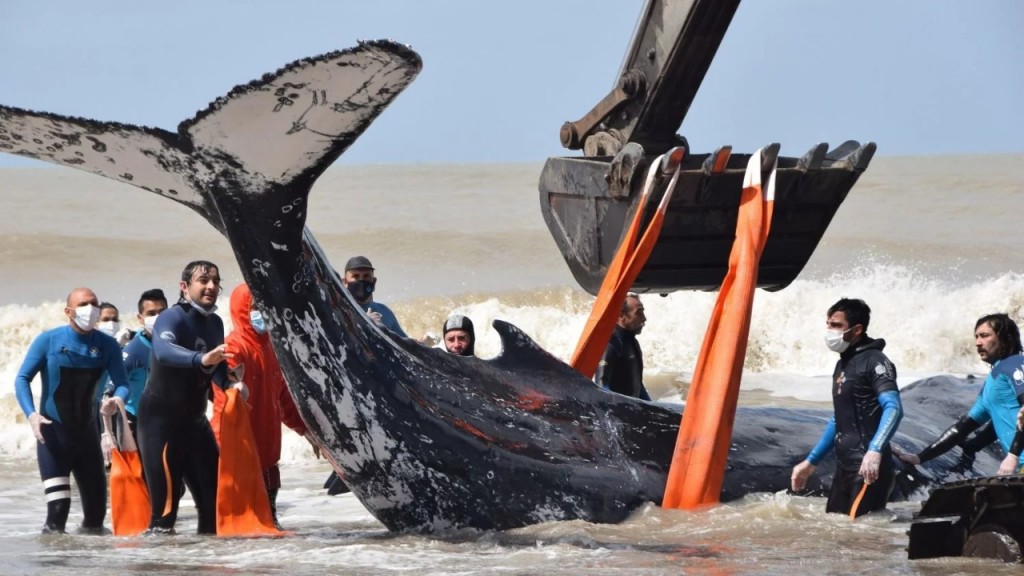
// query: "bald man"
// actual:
[[71, 360]]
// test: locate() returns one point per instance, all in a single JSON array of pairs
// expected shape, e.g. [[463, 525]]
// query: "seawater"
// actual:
[[929, 242]]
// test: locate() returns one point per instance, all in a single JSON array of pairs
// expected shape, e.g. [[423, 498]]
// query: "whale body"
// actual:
[[426, 440]]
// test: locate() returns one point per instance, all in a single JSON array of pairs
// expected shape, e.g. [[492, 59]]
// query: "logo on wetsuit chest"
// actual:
[[94, 352]]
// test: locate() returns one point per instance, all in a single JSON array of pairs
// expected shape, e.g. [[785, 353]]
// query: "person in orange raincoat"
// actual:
[[269, 400]]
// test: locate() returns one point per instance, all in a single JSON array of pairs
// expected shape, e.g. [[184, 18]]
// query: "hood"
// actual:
[[241, 305]]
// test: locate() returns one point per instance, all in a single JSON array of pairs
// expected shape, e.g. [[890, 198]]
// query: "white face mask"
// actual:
[[86, 316], [109, 327], [834, 340], [204, 311], [148, 322]]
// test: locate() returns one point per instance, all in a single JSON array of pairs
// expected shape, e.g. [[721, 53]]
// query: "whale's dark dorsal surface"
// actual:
[[426, 440]]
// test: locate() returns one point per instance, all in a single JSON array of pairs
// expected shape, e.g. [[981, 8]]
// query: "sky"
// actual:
[[918, 77]]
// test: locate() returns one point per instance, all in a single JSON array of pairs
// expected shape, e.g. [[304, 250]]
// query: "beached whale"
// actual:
[[426, 440]]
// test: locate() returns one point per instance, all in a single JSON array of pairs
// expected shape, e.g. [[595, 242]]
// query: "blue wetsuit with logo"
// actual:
[[999, 401], [176, 442], [71, 367]]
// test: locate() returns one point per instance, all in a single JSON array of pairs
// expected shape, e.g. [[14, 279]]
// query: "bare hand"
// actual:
[[108, 407], [236, 374], [869, 466], [216, 356], [1020, 419], [1009, 465], [37, 420], [801, 472], [375, 316]]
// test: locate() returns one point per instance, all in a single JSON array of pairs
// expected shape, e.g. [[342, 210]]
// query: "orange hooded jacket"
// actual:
[[269, 400]]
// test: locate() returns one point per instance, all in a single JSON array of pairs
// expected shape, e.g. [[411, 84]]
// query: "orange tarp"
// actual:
[[129, 499], [702, 447], [243, 508], [622, 272]]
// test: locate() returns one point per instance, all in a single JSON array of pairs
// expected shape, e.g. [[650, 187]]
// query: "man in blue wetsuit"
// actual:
[[71, 361], [176, 443], [867, 411], [360, 281], [997, 339], [139, 350]]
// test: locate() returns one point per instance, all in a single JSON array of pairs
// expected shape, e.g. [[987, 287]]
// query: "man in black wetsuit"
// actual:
[[458, 335], [867, 412], [622, 367], [175, 440]]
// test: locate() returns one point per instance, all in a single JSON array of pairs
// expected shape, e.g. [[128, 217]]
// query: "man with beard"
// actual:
[[458, 336], [175, 440], [622, 367], [867, 412]]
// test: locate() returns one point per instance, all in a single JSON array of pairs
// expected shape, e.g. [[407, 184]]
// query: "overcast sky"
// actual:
[[499, 78]]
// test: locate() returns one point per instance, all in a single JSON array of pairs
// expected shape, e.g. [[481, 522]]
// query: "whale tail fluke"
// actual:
[[277, 133]]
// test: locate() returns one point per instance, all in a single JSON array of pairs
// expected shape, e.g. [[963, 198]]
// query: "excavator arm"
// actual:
[[588, 201]]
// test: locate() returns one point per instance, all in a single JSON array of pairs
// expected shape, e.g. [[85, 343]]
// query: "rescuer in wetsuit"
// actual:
[[71, 360], [622, 366], [458, 335], [175, 440], [997, 339], [867, 412]]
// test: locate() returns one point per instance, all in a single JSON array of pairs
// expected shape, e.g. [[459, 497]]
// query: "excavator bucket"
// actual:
[[587, 220], [588, 201]]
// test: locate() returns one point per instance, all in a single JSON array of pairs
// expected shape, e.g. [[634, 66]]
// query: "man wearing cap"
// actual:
[[360, 281], [459, 336]]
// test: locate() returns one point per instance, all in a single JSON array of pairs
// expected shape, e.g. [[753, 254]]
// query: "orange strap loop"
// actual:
[[702, 447], [622, 272]]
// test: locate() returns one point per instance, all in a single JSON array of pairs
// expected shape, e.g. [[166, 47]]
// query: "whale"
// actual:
[[427, 441]]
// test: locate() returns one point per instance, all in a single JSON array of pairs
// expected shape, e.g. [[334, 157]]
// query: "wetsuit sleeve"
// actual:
[[33, 363], [951, 437], [605, 368], [118, 376], [825, 443], [219, 375], [643, 393], [883, 376], [892, 413], [166, 350], [1018, 437]]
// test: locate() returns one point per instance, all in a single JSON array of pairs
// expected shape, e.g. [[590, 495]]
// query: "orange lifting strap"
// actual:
[[702, 447], [129, 498], [243, 508], [628, 262]]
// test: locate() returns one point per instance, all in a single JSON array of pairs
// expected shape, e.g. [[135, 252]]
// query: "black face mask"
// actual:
[[361, 290]]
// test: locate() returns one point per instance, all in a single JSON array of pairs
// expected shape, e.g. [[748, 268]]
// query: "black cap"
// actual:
[[357, 262], [459, 322]]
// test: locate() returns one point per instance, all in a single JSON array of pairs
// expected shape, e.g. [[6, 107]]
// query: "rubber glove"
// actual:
[[243, 390]]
